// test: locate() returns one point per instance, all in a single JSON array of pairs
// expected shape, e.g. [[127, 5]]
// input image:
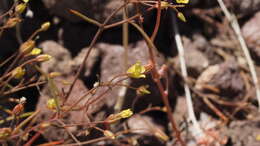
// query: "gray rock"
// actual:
[[113, 64], [251, 33], [225, 77], [244, 7]]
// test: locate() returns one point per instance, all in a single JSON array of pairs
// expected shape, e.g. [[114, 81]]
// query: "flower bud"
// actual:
[[20, 8], [142, 90], [45, 26], [161, 135], [54, 74], [51, 104], [11, 22], [22, 100], [45, 125], [27, 47], [126, 113], [122, 115], [181, 16], [109, 134], [43, 57], [164, 5], [18, 72]]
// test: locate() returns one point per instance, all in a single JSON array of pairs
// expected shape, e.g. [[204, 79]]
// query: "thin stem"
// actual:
[[92, 21], [158, 20], [125, 34], [93, 42], [233, 21], [185, 75], [156, 79]]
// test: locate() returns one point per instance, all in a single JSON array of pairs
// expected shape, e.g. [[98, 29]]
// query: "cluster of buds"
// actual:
[[122, 115]]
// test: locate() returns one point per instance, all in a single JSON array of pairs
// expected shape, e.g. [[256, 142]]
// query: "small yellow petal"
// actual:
[[126, 113], [136, 71], [51, 104], [18, 73], [182, 1], [26, 1], [36, 51]]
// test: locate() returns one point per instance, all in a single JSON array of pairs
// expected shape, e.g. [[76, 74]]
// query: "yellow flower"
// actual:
[[136, 71], [126, 113], [18, 72], [182, 1], [122, 115], [36, 51], [51, 104]]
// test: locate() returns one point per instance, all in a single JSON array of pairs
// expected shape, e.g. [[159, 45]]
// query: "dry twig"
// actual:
[[180, 49], [234, 24]]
